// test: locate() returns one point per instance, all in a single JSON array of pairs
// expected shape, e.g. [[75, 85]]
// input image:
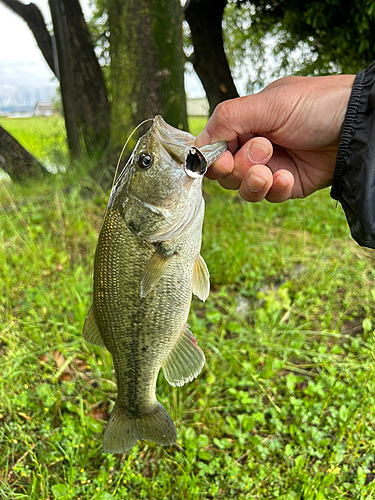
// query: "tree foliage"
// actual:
[[139, 47], [280, 37]]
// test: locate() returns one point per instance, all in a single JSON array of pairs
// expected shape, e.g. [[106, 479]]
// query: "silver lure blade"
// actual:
[[199, 160]]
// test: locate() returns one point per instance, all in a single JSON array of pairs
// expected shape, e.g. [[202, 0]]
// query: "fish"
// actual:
[[147, 265]]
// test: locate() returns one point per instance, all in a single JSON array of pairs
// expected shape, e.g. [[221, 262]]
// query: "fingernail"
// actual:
[[255, 184], [257, 153], [202, 139], [282, 185]]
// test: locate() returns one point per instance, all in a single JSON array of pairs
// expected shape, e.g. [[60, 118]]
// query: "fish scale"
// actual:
[[147, 264]]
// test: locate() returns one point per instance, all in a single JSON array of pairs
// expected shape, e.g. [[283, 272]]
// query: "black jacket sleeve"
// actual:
[[354, 177]]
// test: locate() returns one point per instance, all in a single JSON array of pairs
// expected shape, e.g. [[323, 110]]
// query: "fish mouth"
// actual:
[[180, 145]]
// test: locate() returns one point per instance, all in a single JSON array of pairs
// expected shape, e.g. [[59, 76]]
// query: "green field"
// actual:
[[44, 137], [285, 406]]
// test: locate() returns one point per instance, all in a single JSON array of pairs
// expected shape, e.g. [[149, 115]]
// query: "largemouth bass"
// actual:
[[147, 265]]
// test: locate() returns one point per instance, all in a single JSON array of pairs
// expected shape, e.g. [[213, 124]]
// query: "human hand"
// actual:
[[283, 141]]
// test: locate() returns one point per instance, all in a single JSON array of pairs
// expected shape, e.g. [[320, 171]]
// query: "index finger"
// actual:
[[231, 119], [222, 167]]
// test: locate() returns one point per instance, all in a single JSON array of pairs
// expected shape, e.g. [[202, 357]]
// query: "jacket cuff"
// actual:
[[354, 176]]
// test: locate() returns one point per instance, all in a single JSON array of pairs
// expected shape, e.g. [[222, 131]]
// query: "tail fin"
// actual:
[[123, 429]]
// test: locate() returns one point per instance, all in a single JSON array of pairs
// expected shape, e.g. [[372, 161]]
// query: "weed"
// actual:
[[285, 406]]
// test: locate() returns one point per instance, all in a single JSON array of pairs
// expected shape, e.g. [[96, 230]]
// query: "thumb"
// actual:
[[244, 116]]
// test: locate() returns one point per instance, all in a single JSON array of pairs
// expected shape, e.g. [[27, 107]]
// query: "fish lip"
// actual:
[[176, 142], [172, 134], [211, 152]]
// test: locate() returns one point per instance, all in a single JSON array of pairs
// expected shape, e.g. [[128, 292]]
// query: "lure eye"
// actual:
[[145, 161], [195, 164]]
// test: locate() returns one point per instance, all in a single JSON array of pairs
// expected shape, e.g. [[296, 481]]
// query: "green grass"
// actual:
[[196, 124], [284, 408], [44, 137]]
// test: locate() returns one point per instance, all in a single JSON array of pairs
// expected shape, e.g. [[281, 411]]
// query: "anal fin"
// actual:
[[91, 331], [201, 279], [185, 361]]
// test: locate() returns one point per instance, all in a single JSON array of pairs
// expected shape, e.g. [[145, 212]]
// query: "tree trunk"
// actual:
[[136, 93], [166, 25], [60, 27], [87, 83], [18, 163], [147, 72], [90, 94], [146, 64], [209, 59]]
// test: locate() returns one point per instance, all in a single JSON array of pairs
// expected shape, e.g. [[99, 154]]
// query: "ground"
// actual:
[[284, 408]]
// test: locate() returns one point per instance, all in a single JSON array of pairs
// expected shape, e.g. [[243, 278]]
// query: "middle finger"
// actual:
[[256, 151]]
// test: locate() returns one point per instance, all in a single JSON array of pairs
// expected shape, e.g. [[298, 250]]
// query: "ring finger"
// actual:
[[256, 151]]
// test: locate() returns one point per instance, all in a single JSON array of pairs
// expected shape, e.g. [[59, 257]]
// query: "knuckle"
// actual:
[[223, 112]]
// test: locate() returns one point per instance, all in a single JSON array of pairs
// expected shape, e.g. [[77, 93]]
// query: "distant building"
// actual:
[[43, 109], [197, 107]]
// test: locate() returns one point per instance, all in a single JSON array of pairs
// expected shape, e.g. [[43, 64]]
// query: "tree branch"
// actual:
[[35, 20]]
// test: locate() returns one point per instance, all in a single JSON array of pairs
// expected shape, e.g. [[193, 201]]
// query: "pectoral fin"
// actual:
[[186, 360], [201, 279], [91, 331], [154, 270]]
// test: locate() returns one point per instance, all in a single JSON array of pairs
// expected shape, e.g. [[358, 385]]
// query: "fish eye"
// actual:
[[145, 161]]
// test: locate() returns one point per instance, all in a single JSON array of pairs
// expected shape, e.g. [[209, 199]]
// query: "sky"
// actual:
[[23, 71], [24, 75]]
